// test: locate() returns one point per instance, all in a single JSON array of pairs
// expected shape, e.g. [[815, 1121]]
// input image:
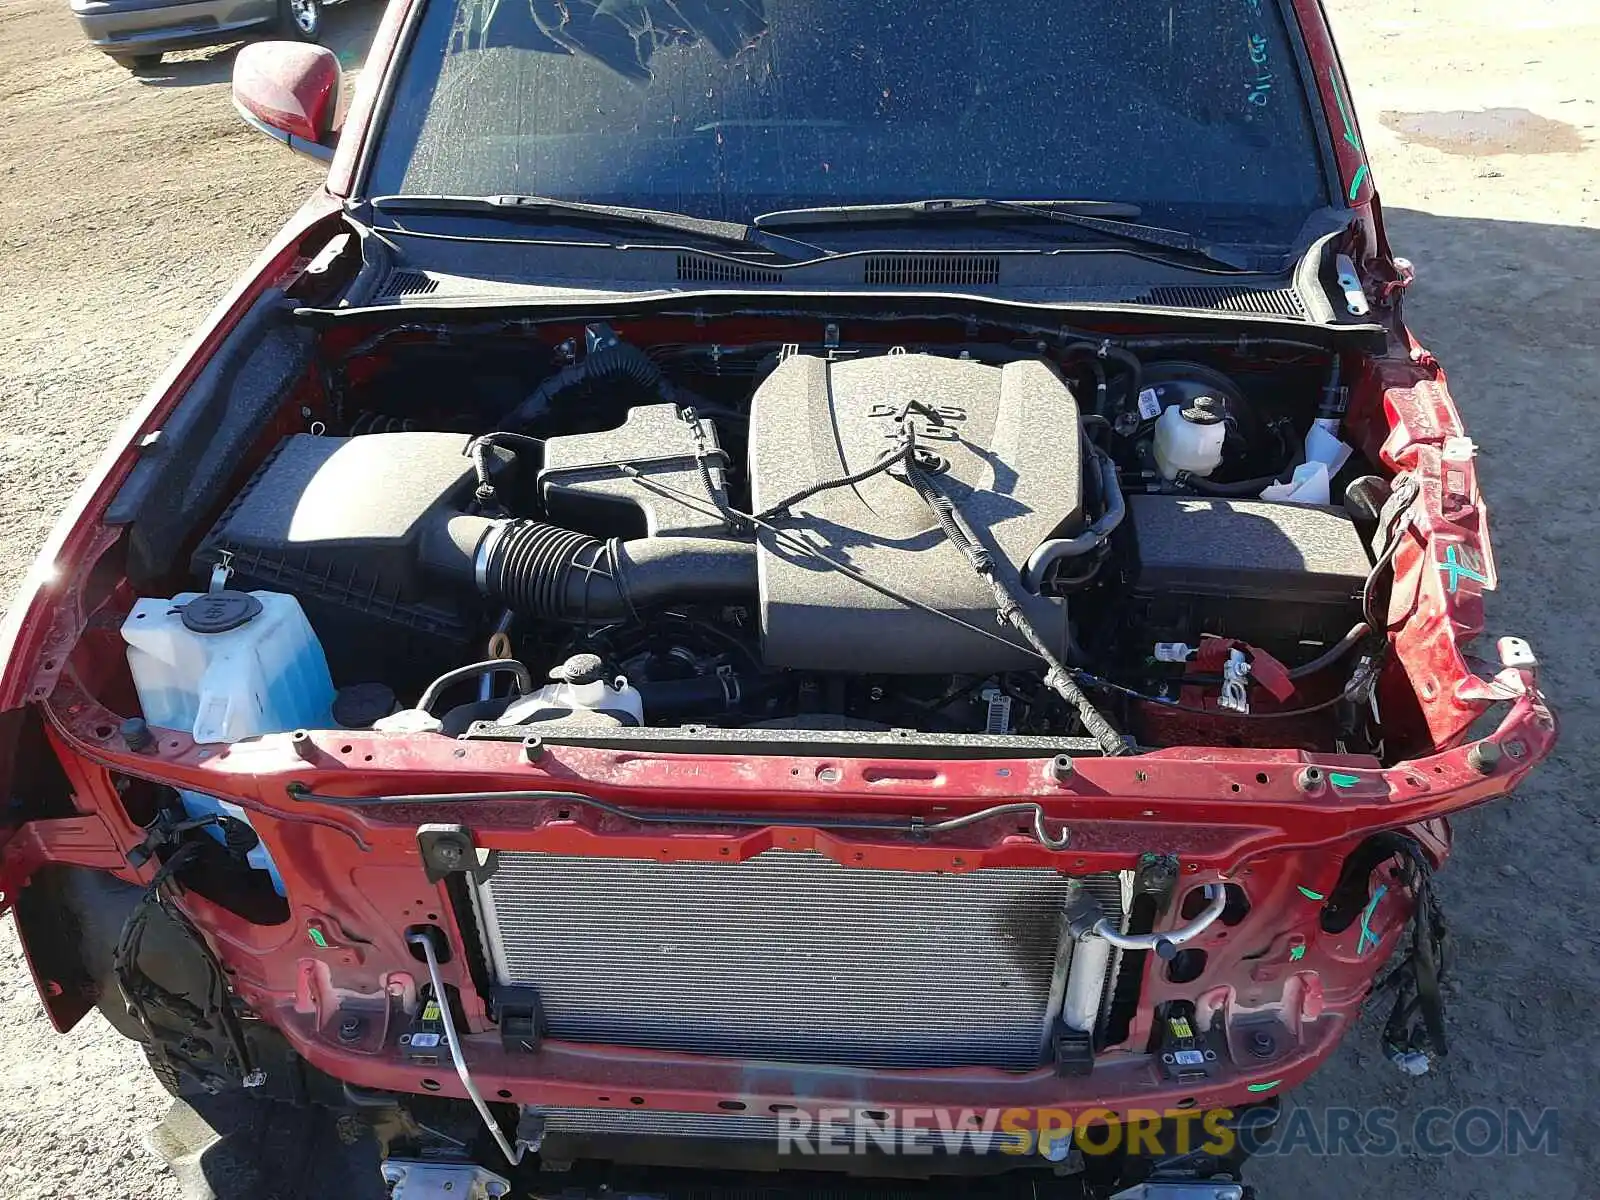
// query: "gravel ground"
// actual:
[[131, 201]]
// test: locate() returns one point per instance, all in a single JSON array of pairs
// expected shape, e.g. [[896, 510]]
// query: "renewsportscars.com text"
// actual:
[[1371, 1132]]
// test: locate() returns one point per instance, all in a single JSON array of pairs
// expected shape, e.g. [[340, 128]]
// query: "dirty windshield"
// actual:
[[1192, 109]]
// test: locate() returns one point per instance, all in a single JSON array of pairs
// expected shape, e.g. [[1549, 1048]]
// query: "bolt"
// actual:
[[136, 733], [1263, 1044], [1061, 768], [300, 742], [350, 1029], [533, 748], [1310, 780], [448, 855], [1484, 758]]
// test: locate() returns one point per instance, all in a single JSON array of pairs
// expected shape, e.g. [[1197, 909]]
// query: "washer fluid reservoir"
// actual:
[[225, 665]]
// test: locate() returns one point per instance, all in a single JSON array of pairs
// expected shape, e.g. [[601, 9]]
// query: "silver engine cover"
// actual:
[[1009, 441], [788, 956]]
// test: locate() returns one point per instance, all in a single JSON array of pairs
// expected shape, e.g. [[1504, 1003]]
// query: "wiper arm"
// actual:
[[729, 233], [1110, 218]]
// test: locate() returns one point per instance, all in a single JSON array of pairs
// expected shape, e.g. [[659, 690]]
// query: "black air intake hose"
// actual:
[[553, 573]]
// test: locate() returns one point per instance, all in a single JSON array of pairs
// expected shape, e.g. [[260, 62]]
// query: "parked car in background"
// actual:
[[136, 33]]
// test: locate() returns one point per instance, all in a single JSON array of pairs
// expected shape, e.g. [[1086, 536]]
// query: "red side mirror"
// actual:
[[290, 91]]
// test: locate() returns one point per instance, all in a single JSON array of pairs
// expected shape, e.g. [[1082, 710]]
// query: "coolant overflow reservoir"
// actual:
[[579, 685], [1189, 438]]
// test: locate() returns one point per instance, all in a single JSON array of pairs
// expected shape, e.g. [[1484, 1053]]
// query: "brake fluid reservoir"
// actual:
[[1189, 438], [226, 665]]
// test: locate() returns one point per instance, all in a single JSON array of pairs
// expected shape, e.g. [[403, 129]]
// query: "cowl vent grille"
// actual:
[[408, 283], [710, 270], [928, 270], [1268, 302]]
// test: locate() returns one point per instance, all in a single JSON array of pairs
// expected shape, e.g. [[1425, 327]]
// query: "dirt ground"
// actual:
[[131, 201]]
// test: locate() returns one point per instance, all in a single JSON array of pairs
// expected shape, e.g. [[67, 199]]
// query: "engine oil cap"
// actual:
[[580, 668], [219, 612]]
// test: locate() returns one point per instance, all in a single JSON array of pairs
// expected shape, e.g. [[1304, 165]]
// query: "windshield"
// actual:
[[1191, 109]]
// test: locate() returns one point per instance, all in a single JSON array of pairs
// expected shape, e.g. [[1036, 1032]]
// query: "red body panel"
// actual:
[[354, 875], [289, 85]]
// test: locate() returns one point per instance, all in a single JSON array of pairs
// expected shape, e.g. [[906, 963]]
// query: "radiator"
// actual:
[[787, 956]]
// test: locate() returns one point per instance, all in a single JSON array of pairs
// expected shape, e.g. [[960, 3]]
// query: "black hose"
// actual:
[[1333, 653], [1098, 351], [620, 364], [478, 451], [556, 574], [1091, 539], [1248, 487]]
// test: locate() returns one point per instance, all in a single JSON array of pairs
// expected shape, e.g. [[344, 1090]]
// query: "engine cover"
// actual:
[[1009, 441]]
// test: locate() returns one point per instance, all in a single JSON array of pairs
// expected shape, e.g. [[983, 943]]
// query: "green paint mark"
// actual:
[[1344, 781], [316, 937], [1297, 953], [1310, 895], [1355, 184], [1366, 930], [1263, 1087], [1457, 570], [1350, 135]]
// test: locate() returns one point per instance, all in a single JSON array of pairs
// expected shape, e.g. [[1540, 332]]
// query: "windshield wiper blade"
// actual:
[[729, 233], [1112, 219]]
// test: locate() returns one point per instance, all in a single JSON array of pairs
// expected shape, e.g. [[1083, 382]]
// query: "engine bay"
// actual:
[[982, 539]]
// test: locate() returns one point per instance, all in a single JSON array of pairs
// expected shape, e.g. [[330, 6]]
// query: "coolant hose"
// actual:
[[1051, 552], [556, 574]]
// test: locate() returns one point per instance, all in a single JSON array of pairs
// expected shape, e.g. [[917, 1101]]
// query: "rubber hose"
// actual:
[[553, 573], [1051, 552], [618, 364]]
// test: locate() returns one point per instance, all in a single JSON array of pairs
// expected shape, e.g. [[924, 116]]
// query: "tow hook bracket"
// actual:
[[449, 850], [413, 1179]]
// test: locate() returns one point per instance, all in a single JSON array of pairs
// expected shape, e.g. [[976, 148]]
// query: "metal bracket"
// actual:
[[449, 850], [521, 1017], [1183, 1189], [414, 1179]]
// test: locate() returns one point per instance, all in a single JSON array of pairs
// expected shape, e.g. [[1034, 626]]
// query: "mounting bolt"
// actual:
[[533, 748], [300, 742], [1310, 780], [350, 1029], [1061, 768], [1484, 758], [136, 734], [448, 855], [1263, 1044]]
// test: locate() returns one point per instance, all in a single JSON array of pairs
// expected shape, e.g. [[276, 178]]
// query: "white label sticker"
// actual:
[[1190, 1058], [1149, 405], [424, 1041]]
